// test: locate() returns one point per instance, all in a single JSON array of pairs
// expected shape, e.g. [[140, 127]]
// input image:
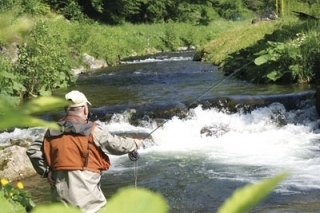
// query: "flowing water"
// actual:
[[166, 79], [197, 170]]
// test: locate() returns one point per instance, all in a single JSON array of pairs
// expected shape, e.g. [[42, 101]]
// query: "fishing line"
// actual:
[[134, 156], [135, 174]]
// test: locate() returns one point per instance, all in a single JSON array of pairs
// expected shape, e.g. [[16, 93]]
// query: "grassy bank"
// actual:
[[110, 42], [233, 40], [285, 51]]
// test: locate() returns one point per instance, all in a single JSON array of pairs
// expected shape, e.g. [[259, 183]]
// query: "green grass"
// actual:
[[235, 39], [129, 39], [287, 48]]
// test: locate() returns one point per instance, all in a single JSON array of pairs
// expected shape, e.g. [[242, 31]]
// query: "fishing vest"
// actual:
[[72, 147]]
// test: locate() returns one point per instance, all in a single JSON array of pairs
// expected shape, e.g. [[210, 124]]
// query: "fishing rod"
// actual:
[[134, 155]]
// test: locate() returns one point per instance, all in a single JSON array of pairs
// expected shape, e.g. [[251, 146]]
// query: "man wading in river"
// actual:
[[77, 154]]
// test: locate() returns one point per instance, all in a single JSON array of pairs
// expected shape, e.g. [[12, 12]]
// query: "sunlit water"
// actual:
[[196, 170]]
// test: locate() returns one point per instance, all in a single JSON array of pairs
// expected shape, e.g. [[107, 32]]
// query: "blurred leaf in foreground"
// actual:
[[22, 116], [55, 208], [136, 201], [245, 198]]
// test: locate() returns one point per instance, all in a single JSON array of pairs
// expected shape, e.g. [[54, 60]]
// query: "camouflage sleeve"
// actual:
[[112, 144], [35, 154]]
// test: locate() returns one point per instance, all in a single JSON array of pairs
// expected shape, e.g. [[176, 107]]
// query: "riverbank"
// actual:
[[281, 51]]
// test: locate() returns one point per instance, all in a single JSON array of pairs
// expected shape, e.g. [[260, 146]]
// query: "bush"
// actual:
[[287, 55], [15, 198], [43, 63], [10, 88]]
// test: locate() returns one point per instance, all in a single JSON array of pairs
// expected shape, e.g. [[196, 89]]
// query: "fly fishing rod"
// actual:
[[134, 155]]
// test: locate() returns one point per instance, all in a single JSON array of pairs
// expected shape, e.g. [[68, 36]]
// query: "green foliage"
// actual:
[[12, 32], [9, 86], [284, 51], [137, 201], [14, 199], [293, 59], [24, 115], [70, 9], [42, 64], [230, 9], [8, 206], [73, 11], [302, 6], [6, 5], [117, 12], [170, 37], [109, 42], [232, 40], [274, 53], [30, 7], [54, 208], [13, 27]]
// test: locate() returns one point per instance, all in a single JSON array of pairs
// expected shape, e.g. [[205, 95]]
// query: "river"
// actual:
[[198, 170]]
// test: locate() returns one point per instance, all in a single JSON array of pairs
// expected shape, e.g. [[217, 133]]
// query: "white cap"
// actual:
[[77, 99]]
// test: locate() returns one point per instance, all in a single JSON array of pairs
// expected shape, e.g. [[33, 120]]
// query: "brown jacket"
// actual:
[[73, 147]]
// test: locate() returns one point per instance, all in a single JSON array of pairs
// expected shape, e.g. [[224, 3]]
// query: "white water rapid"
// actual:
[[270, 139]]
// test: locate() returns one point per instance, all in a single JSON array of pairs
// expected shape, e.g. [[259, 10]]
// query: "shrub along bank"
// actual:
[[284, 51]]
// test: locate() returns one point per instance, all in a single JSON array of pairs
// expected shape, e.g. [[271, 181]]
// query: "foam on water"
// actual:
[[254, 139], [150, 60]]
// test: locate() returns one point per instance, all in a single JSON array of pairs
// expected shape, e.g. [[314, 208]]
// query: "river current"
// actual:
[[197, 170]]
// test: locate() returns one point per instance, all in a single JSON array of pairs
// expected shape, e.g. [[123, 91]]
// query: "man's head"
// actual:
[[78, 103], [77, 99]]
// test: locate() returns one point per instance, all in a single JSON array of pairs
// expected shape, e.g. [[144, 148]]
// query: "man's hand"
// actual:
[[138, 142], [50, 180]]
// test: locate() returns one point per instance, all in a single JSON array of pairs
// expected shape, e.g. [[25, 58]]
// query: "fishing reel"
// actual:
[[92, 117], [133, 156]]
